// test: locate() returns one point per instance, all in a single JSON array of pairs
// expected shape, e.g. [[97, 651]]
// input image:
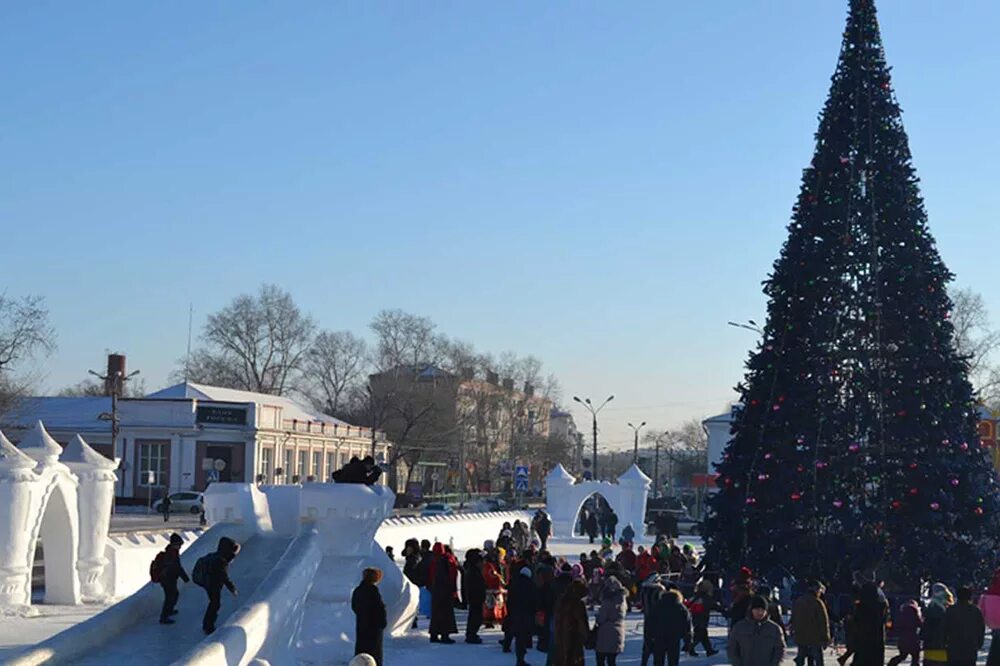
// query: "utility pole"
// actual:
[[656, 470], [635, 431], [593, 412], [114, 383]]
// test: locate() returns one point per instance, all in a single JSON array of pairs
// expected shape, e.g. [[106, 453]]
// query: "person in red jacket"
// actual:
[[645, 564]]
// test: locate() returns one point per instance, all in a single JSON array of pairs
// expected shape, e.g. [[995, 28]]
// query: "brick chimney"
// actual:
[[116, 368], [508, 384]]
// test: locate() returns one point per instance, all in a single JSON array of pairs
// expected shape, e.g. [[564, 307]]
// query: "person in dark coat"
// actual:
[[870, 617], [411, 566], [545, 580], [165, 505], [171, 569], [932, 634], [522, 604], [755, 640], [811, 625], [701, 613], [671, 628], [590, 525], [907, 624], [571, 626], [964, 630], [473, 594], [610, 622], [217, 578], [421, 575], [369, 615], [543, 527], [442, 580], [612, 523]]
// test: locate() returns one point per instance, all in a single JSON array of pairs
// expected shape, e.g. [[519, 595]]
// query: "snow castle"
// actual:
[[63, 497]]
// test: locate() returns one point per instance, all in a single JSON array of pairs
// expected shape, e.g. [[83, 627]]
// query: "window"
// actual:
[[331, 463], [288, 465], [266, 463], [317, 464], [303, 461], [152, 458]]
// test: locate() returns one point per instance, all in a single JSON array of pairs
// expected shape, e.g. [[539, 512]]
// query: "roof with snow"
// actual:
[[290, 409], [61, 413]]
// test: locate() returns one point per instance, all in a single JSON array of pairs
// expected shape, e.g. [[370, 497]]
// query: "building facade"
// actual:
[[188, 435]]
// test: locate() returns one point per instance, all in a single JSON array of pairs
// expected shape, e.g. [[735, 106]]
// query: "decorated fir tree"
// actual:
[[855, 448]]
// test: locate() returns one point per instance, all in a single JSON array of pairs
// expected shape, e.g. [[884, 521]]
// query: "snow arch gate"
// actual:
[[64, 498], [627, 498]]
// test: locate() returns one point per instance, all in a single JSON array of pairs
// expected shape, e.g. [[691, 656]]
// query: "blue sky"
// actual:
[[600, 184]]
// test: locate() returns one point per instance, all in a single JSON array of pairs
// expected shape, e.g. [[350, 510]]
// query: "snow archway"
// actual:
[[627, 498], [62, 498]]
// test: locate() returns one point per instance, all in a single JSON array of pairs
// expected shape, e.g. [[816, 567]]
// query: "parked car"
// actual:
[[437, 510], [487, 505], [189, 501]]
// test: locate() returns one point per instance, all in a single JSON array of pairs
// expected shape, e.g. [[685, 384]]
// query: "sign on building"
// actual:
[[221, 415]]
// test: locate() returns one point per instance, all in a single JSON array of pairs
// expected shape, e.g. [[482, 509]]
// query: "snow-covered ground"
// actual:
[[153, 644]]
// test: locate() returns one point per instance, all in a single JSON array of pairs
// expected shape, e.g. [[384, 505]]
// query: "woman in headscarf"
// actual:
[[442, 580]]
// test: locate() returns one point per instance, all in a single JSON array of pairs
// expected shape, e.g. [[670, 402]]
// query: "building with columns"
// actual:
[[187, 435]]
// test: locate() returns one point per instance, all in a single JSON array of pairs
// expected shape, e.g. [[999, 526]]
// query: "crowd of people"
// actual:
[[563, 608]]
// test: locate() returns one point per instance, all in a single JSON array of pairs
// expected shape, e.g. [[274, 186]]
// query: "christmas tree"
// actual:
[[855, 445]]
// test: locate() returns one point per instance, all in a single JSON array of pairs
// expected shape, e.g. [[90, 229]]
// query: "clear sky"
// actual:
[[601, 184]]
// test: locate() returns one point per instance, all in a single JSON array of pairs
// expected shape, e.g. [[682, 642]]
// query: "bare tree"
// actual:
[[333, 368], [402, 339], [24, 333], [256, 343], [91, 388], [978, 341]]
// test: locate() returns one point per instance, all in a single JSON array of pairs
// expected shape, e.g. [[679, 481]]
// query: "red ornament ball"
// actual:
[[935, 506], [796, 497], [978, 511]]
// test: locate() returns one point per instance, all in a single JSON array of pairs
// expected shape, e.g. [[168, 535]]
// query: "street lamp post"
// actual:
[[593, 412], [635, 431], [749, 325], [117, 380]]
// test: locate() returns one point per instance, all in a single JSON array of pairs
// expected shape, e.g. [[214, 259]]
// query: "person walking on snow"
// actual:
[[165, 570], [610, 622], [811, 625], [369, 615], [473, 594], [543, 527], [964, 630], [909, 619], [671, 628], [442, 580], [756, 640], [165, 507], [571, 626], [215, 577], [701, 612], [932, 633], [612, 524], [522, 604]]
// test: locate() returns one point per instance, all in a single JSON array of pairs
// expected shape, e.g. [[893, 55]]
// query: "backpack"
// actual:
[[157, 566], [199, 575]]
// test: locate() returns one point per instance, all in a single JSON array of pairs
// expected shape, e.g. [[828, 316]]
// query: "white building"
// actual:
[[189, 434], [717, 429]]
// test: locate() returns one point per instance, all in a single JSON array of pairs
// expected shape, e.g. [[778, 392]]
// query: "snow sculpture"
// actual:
[[566, 497], [347, 517], [49, 494], [96, 495]]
